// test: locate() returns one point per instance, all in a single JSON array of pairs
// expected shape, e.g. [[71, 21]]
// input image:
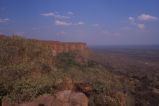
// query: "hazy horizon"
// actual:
[[96, 22]]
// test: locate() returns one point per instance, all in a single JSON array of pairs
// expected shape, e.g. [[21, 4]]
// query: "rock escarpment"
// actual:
[[60, 47]]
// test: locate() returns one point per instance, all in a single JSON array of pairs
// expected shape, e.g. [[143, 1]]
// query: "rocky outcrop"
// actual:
[[61, 98], [2, 36], [59, 47]]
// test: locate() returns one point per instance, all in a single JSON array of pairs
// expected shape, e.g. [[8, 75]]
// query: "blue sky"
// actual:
[[96, 22]]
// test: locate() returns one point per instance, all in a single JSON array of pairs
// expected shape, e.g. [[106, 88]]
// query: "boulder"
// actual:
[[67, 84], [69, 98], [61, 98]]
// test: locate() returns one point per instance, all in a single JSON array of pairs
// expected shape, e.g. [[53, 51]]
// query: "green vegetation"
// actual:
[[24, 67], [28, 69]]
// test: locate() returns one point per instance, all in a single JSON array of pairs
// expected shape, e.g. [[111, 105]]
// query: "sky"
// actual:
[[96, 22]]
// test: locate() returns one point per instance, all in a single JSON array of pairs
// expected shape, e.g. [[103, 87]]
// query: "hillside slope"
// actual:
[[29, 69]]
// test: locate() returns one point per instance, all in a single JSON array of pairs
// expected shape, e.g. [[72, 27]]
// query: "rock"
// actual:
[[78, 99], [156, 91], [61, 98], [60, 47], [67, 84], [6, 102], [68, 95], [84, 87], [69, 98]]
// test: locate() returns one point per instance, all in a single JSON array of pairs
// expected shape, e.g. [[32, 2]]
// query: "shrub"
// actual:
[[28, 89], [66, 60], [19, 59]]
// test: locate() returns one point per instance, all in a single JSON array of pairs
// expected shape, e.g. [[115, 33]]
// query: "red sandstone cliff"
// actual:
[[59, 47]]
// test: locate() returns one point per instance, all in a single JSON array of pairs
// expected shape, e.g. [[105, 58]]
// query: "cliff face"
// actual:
[[2, 36], [60, 47]]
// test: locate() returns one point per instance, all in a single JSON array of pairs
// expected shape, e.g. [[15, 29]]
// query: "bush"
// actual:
[[66, 60], [28, 89], [20, 58]]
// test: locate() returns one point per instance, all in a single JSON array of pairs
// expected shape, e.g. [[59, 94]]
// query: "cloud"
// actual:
[[95, 25], [61, 20], [70, 13], [48, 14], [110, 33], [125, 28], [132, 20], [35, 28], [140, 20], [61, 33], [62, 23], [80, 23], [141, 26], [147, 17], [4, 20], [20, 33], [55, 15], [135, 23]]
